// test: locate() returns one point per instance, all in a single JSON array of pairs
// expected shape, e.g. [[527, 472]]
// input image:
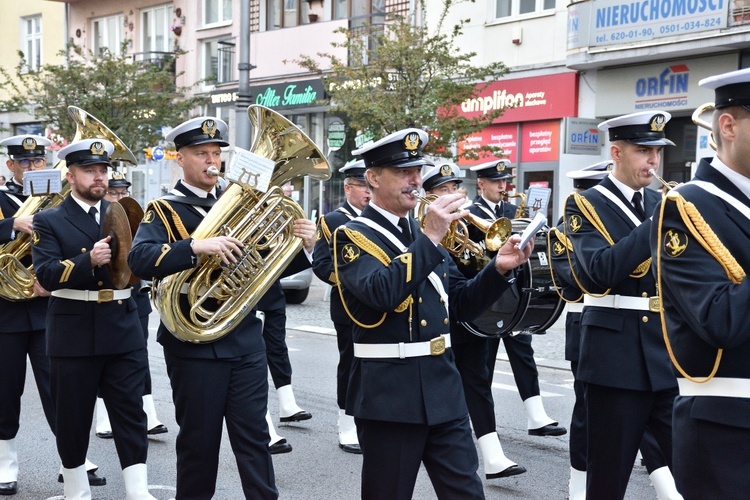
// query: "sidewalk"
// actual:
[[313, 316]]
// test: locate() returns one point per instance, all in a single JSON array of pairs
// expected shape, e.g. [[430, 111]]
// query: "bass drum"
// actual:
[[531, 305]]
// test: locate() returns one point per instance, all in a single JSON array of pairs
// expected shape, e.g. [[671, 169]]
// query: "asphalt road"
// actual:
[[316, 468]]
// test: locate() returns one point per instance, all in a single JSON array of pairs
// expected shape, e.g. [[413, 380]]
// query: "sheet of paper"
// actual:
[[42, 182], [250, 169], [534, 226]]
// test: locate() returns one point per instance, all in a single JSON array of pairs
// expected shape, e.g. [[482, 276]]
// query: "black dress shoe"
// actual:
[[10, 488], [351, 448], [279, 447], [159, 429], [94, 480], [105, 435], [513, 470], [549, 430], [298, 417]]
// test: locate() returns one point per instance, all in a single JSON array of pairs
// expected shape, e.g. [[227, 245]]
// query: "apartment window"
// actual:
[[286, 13], [31, 41], [510, 8], [219, 60], [107, 34], [360, 10], [216, 11], [155, 24]]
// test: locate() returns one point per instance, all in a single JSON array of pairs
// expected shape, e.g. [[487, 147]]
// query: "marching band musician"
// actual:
[[357, 195], [622, 361], [93, 331], [492, 180], [700, 243], [225, 380], [467, 349], [118, 188], [23, 321], [399, 286], [560, 263]]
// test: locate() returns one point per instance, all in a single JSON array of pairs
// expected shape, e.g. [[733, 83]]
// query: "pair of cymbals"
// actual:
[[121, 221]]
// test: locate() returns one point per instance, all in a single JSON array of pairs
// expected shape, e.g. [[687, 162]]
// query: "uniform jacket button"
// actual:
[[644, 319], [423, 322]]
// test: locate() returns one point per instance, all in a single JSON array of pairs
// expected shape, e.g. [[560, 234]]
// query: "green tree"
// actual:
[[403, 74], [132, 98]]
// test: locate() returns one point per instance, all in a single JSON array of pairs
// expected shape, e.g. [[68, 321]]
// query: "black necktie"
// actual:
[[92, 213], [404, 225], [211, 196], [637, 204], [498, 211]]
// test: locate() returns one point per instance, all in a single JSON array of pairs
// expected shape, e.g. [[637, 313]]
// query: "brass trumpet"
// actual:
[[457, 240], [668, 185], [704, 108]]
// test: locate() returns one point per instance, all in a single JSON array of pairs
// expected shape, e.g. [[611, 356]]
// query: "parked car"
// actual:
[[297, 286]]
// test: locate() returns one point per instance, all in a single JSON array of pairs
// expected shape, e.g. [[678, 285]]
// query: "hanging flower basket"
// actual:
[[176, 29]]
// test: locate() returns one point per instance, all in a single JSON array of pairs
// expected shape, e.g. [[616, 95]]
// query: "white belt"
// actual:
[[650, 304], [434, 347], [574, 307], [717, 386], [106, 295]]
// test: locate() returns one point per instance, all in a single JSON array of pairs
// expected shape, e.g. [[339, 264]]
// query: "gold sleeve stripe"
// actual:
[[69, 265], [165, 248]]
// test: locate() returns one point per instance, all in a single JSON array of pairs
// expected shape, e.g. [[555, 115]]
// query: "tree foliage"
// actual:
[[403, 74], [133, 99]]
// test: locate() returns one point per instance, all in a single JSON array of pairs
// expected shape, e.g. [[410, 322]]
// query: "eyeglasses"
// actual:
[[118, 193], [28, 163]]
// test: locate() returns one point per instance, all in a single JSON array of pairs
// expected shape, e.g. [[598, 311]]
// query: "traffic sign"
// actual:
[[157, 153]]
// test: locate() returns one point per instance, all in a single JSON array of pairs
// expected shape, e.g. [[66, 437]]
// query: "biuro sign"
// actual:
[[526, 99]]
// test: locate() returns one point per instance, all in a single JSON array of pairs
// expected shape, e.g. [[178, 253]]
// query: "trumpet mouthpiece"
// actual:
[[652, 172], [213, 171]]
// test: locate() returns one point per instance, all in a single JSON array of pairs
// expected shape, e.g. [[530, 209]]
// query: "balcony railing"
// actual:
[[154, 59]]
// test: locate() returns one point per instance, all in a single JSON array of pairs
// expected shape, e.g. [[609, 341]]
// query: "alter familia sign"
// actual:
[[289, 95]]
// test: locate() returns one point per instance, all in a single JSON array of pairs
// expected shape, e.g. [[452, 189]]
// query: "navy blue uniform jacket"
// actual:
[[704, 309], [63, 239], [153, 256], [25, 315], [323, 261], [418, 390], [619, 348]]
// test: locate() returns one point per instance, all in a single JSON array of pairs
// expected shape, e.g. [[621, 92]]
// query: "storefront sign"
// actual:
[[336, 135], [526, 99], [582, 137], [289, 95], [660, 86], [502, 136], [540, 141], [615, 22]]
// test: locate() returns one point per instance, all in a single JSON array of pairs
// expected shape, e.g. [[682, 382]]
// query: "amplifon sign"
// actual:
[[526, 99], [502, 136]]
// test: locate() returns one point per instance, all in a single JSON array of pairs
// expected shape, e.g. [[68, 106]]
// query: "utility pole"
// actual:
[[244, 99]]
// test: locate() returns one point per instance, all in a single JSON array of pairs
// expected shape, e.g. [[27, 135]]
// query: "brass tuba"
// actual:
[[219, 296], [16, 279], [704, 108]]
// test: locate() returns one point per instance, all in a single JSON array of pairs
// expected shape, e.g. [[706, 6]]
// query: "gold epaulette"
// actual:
[[705, 236], [158, 207]]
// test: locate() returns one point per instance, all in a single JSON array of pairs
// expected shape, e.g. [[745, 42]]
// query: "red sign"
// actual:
[[502, 136], [540, 141], [527, 99]]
